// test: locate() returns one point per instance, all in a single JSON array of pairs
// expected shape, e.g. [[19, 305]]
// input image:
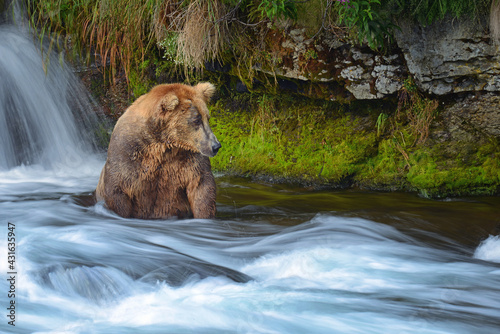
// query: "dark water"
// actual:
[[277, 259]]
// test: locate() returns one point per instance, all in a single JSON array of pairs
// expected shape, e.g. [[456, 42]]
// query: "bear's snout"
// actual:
[[210, 147], [216, 147]]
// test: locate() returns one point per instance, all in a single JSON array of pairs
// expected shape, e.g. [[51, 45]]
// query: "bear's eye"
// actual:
[[197, 120]]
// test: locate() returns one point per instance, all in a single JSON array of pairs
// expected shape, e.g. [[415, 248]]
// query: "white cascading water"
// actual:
[[46, 116]]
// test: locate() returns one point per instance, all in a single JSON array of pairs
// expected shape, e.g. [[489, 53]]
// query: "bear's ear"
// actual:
[[206, 89], [168, 103]]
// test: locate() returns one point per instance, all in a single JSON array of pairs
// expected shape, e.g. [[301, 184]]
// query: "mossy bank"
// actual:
[[366, 145]]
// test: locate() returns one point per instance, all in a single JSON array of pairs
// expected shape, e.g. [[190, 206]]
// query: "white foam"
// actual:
[[196, 305], [65, 178], [322, 268], [489, 249]]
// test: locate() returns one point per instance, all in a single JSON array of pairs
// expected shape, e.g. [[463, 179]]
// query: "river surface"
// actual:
[[277, 259]]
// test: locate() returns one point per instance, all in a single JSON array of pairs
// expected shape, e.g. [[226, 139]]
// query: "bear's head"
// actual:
[[180, 117]]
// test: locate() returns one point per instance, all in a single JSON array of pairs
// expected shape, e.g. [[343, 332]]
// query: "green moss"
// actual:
[[435, 175], [299, 139], [291, 139], [139, 83], [385, 170], [102, 135]]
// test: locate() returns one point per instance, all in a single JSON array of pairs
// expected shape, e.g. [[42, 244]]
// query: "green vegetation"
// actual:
[[190, 32], [367, 20], [318, 142], [274, 9], [120, 31], [372, 21], [428, 11], [290, 138], [407, 158]]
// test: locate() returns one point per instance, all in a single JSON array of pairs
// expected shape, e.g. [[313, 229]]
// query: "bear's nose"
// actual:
[[216, 147]]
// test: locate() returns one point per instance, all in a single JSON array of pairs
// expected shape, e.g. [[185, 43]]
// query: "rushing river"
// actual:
[[277, 259]]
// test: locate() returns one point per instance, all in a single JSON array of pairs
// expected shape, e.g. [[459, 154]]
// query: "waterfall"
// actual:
[[47, 117]]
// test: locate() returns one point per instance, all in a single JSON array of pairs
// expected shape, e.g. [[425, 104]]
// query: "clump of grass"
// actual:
[[381, 123], [120, 31], [201, 27], [123, 32], [419, 111]]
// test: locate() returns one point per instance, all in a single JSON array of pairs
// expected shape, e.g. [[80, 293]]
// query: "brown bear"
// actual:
[[158, 156]]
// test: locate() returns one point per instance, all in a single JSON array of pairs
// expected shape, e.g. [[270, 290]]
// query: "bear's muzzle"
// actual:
[[216, 147]]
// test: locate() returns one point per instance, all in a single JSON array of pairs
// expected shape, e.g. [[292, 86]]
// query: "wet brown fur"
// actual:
[[157, 164]]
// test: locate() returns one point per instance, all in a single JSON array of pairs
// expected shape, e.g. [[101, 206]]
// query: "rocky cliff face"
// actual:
[[356, 72], [452, 56], [445, 59]]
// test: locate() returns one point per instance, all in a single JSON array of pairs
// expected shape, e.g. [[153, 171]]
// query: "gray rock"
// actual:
[[360, 71], [450, 56], [475, 113]]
